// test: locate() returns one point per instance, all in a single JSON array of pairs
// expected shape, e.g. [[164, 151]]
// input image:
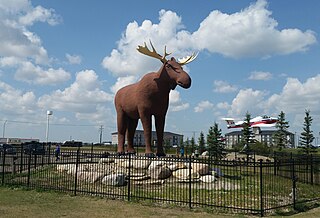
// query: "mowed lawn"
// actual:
[[29, 203]]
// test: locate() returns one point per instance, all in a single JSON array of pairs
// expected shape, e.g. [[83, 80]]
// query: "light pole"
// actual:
[[4, 128], [49, 113]]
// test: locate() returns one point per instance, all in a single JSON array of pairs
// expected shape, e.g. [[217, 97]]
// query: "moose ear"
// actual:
[[173, 59]]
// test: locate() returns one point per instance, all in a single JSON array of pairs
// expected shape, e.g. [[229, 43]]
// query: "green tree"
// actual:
[[247, 134], [192, 145], [187, 147], [201, 143], [215, 143], [280, 136], [307, 137]]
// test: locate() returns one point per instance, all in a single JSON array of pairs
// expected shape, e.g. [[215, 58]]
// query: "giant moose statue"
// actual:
[[149, 97]]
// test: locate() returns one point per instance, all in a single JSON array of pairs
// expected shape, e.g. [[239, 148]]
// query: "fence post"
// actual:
[[261, 191], [76, 174], [3, 164], [21, 159], [311, 169], [294, 185], [190, 177], [129, 175], [29, 169]]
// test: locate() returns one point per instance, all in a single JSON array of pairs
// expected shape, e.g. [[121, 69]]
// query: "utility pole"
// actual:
[[101, 129]]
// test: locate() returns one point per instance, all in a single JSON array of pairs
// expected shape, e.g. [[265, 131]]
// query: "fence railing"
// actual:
[[254, 187]]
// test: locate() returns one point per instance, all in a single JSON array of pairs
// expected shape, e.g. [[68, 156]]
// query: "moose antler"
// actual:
[[145, 50], [187, 59]]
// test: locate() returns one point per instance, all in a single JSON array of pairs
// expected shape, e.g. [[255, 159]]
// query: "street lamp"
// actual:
[[49, 113], [4, 128]]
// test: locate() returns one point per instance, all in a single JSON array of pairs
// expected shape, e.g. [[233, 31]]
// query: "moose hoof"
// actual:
[[150, 155], [131, 153], [161, 154], [121, 153]]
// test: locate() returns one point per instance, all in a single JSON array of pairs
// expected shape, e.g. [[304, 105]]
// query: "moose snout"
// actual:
[[186, 83]]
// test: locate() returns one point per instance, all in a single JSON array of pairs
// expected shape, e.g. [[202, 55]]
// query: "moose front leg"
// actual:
[[160, 121], [132, 125], [146, 123]]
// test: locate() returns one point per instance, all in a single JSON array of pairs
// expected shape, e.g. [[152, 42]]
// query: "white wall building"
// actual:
[[168, 137]]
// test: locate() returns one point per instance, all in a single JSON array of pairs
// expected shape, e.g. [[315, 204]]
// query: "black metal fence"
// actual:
[[255, 187]]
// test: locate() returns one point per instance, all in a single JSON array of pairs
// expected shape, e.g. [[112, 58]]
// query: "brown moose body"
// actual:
[[146, 98]]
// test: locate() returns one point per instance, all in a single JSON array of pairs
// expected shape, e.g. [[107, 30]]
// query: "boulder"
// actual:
[[208, 179], [177, 166], [184, 174], [115, 180], [159, 172], [134, 163], [91, 177], [156, 163], [202, 169], [106, 160]]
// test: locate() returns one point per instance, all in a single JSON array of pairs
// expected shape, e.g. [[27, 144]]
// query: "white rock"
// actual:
[[184, 174], [115, 180], [208, 179], [202, 169]]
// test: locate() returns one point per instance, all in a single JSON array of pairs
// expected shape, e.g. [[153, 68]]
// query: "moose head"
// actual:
[[172, 67]]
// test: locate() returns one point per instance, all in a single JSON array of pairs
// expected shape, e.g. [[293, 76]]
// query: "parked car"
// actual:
[[34, 148], [9, 149]]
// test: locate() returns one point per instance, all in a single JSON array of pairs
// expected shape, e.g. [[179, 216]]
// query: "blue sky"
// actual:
[[72, 56]]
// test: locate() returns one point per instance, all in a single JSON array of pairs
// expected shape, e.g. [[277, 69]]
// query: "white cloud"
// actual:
[[122, 82], [40, 14], [15, 37], [176, 103], [248, 100], [249, 33], [296, 96], [126, 60], [260, 75], [84, 97], [16, 102], [223, 87], [252, 32], [30, 73], [203, 105], [74, 59]]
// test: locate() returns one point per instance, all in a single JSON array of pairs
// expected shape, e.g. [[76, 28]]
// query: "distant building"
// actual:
[[263, 136], [168, 138], [16, 141]]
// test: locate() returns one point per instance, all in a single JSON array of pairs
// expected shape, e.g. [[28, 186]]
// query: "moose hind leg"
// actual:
[[122, 127], [132, 125], [160, 121]]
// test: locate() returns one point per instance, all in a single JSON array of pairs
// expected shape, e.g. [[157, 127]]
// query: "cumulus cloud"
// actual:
[[30, 73], [16, 102], [252, 32], [40, 14], [83, 97], [15, 37], [249, 100], [176, 103], [260, 75], [73, 59], [223, 87], [296, 96], [121, 82], [203, 105]]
